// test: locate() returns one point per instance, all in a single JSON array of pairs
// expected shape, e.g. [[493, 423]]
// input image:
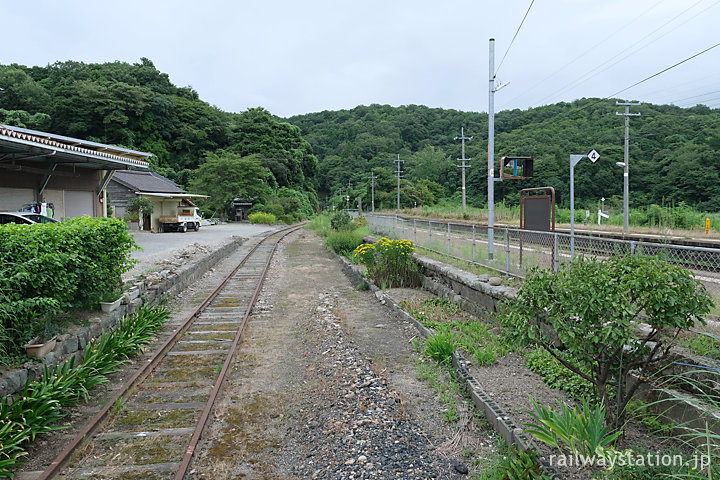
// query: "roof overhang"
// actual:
[[32, 147], [171, 196]]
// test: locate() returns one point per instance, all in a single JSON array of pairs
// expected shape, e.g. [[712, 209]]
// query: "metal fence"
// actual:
[[516, 251]]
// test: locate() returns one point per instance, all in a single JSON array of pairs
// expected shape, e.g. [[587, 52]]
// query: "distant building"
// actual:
[[69, 173], [241, 207], [165, 195]]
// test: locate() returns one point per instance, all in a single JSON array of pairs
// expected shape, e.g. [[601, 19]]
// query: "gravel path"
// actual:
[[178, 248]]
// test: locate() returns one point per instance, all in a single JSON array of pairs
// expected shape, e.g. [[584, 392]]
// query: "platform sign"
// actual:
[[593, 156]]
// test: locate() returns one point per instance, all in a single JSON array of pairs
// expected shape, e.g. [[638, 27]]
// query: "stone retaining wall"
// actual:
[[72, 344]]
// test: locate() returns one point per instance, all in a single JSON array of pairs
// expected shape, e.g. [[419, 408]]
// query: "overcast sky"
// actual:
[[295, 57]]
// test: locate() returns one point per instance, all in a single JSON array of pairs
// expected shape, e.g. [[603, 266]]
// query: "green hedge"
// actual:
[[46, 269]]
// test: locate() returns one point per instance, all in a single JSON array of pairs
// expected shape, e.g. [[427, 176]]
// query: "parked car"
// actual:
[[37, 218], [15, 217]]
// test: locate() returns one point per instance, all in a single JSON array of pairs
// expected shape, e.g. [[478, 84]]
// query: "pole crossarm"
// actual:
[[626, 166], [462, 138]]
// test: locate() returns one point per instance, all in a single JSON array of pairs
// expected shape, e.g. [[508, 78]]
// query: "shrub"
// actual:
[[341, 221], [585, 316], [343, 242], [390, 262], [140, 206], [287, 219], [359, 222], [262, 217], [555, 375], [51, 268]]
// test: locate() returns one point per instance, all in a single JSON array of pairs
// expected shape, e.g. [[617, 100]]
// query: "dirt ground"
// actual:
[[323, 386], [296, 405]]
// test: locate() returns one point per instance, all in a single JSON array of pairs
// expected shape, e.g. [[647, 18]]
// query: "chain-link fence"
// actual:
[[514, 251]]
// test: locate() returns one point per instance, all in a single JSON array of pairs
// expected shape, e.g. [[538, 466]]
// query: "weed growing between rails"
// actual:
[[390, 262]]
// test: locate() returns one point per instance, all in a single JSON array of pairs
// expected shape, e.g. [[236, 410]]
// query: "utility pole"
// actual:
[[399, 176], [491, 153], [372, 190], [462, 137], [626, 164], [347, 195]]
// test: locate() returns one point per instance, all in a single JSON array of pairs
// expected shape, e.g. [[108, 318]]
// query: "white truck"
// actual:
[[186, 218]]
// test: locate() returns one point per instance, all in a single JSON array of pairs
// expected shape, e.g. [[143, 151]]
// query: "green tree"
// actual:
[[225, 176], [587, 316]]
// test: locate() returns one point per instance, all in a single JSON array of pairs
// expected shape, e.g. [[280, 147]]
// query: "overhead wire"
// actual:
[[589, 105], [634, 49], [665, 70], [586, 52], [513, 39], [695, 96]]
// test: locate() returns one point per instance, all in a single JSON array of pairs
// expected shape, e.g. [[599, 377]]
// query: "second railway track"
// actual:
[[150, 428]]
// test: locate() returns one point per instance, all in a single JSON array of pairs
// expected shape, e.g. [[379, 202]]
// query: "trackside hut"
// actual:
[[70, 173]]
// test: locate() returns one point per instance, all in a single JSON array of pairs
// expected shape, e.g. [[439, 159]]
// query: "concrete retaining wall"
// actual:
[[72, 344]]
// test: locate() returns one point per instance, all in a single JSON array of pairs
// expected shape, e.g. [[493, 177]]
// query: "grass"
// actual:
[[558, 376], [700, 344], [456, 329]]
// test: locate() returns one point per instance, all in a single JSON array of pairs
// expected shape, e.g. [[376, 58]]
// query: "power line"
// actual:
[[599, 101], [586, 52], [664, 70], [695, 96], [633, 49], [514, 37]]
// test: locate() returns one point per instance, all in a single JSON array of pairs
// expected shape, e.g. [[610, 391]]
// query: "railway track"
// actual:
[[150, 428]]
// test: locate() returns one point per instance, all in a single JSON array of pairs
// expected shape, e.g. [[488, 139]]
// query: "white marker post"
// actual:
[[593, 156]]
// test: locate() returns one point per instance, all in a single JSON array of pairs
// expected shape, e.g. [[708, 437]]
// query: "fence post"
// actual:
[[473, 259], [556, 257], [414, 231], [448, 239], [632, 247], [429, 233], [507, 251]]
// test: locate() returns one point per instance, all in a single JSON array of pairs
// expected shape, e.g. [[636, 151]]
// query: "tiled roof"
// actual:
[[145, 181]]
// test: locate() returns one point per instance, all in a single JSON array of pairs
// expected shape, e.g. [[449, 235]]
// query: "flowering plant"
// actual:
[[389, 262]]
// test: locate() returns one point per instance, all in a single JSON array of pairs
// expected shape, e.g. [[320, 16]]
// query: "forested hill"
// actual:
[[137, 107], [674, 152]]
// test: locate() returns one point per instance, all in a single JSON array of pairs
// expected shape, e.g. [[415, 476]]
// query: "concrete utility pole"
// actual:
[[347, 194], [372, 190], [399, 176], [491, 152], [626, 164], [462, 137]]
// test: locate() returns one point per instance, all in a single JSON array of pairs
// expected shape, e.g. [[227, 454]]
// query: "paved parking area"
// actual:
[[157, 247]]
